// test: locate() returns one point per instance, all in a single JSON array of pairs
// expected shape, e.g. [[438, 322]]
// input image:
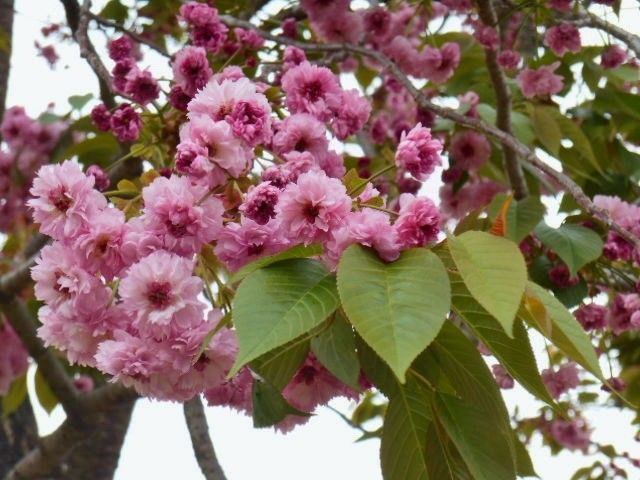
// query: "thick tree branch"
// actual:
[[22, 322], [503, 105], [6, 30], [584, 18], [201, 441], [525, 153]]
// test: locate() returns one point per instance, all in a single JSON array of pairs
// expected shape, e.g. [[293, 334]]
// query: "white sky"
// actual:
[[157, 444]]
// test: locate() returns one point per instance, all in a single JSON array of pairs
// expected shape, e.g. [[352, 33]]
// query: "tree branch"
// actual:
[[584, 18], [135, 36], [503, 105], [202, 445], [523, 151], [6, 30], [22, 322]]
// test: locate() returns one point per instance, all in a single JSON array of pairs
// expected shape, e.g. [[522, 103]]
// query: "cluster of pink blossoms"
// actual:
[[122, 296], [29, 145]]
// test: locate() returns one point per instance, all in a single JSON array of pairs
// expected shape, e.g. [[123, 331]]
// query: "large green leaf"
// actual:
[[574, 244], [299, 251], [546, 128], [444, 461], [522, 217], [335, 347], [281, 364], [581, 143], [515, 354], [487, 455], [279, 303], [397, 308], [554, 321], [493, 270], [404, 434]]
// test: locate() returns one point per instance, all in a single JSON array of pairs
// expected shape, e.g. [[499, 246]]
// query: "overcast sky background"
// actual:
[[157, 444]]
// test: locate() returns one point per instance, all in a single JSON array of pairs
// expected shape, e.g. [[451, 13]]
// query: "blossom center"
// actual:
[[255, 248], [311, 212], [61, 199], [312, 91], [159, 294]]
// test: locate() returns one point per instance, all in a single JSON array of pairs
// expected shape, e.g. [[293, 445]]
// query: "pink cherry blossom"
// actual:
[[241, 243], [563, 38], [65, 201], [308, 88], [310, 208], [592, 316], [260, 203], [418, 152], [470, 150], [351, 111], [561, 380], [613, 56], [440, 64], [301, 133], [191, 69], [418, 222], [541, 82], [160, 292], [503, 379], [571, 434], [181, 214], [126, 123]]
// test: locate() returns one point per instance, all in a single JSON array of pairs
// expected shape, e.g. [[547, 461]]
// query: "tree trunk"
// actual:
[[18, 435], [6, 30]]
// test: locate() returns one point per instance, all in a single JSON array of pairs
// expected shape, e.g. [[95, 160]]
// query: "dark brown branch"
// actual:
[[6, 31], [106, 395], [133, 35], [523, 151], [503, 105], [201, 441], [22, 322], [584, 18]]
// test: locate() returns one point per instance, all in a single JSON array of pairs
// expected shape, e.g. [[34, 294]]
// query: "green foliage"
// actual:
[[575, 245], [269, 406], [16, 395], [280, 302], [545, 312], [335, 347], [299, 251], [494, 272], [46, 397], [397, 308]]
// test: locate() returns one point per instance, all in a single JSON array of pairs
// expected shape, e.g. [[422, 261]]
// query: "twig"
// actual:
[[201, 441], [523, 151], [78, 21], [135, 36], [503, 105], [584, 18]]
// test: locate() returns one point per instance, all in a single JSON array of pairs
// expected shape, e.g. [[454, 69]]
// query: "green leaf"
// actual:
[[487, 455], [79, 101], [494, 272], [299, 251], [335, 347], [397, 308], [376, 369], [15, 396], [580, 141], [269, 406], [524, 465], [281, 364], [574, 244], [46, 397], [556, 323], [547, 129], [103, 144], [404, 433], [116, 11], [280, 302], [523, 216], [444, 461], [515, 354]]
